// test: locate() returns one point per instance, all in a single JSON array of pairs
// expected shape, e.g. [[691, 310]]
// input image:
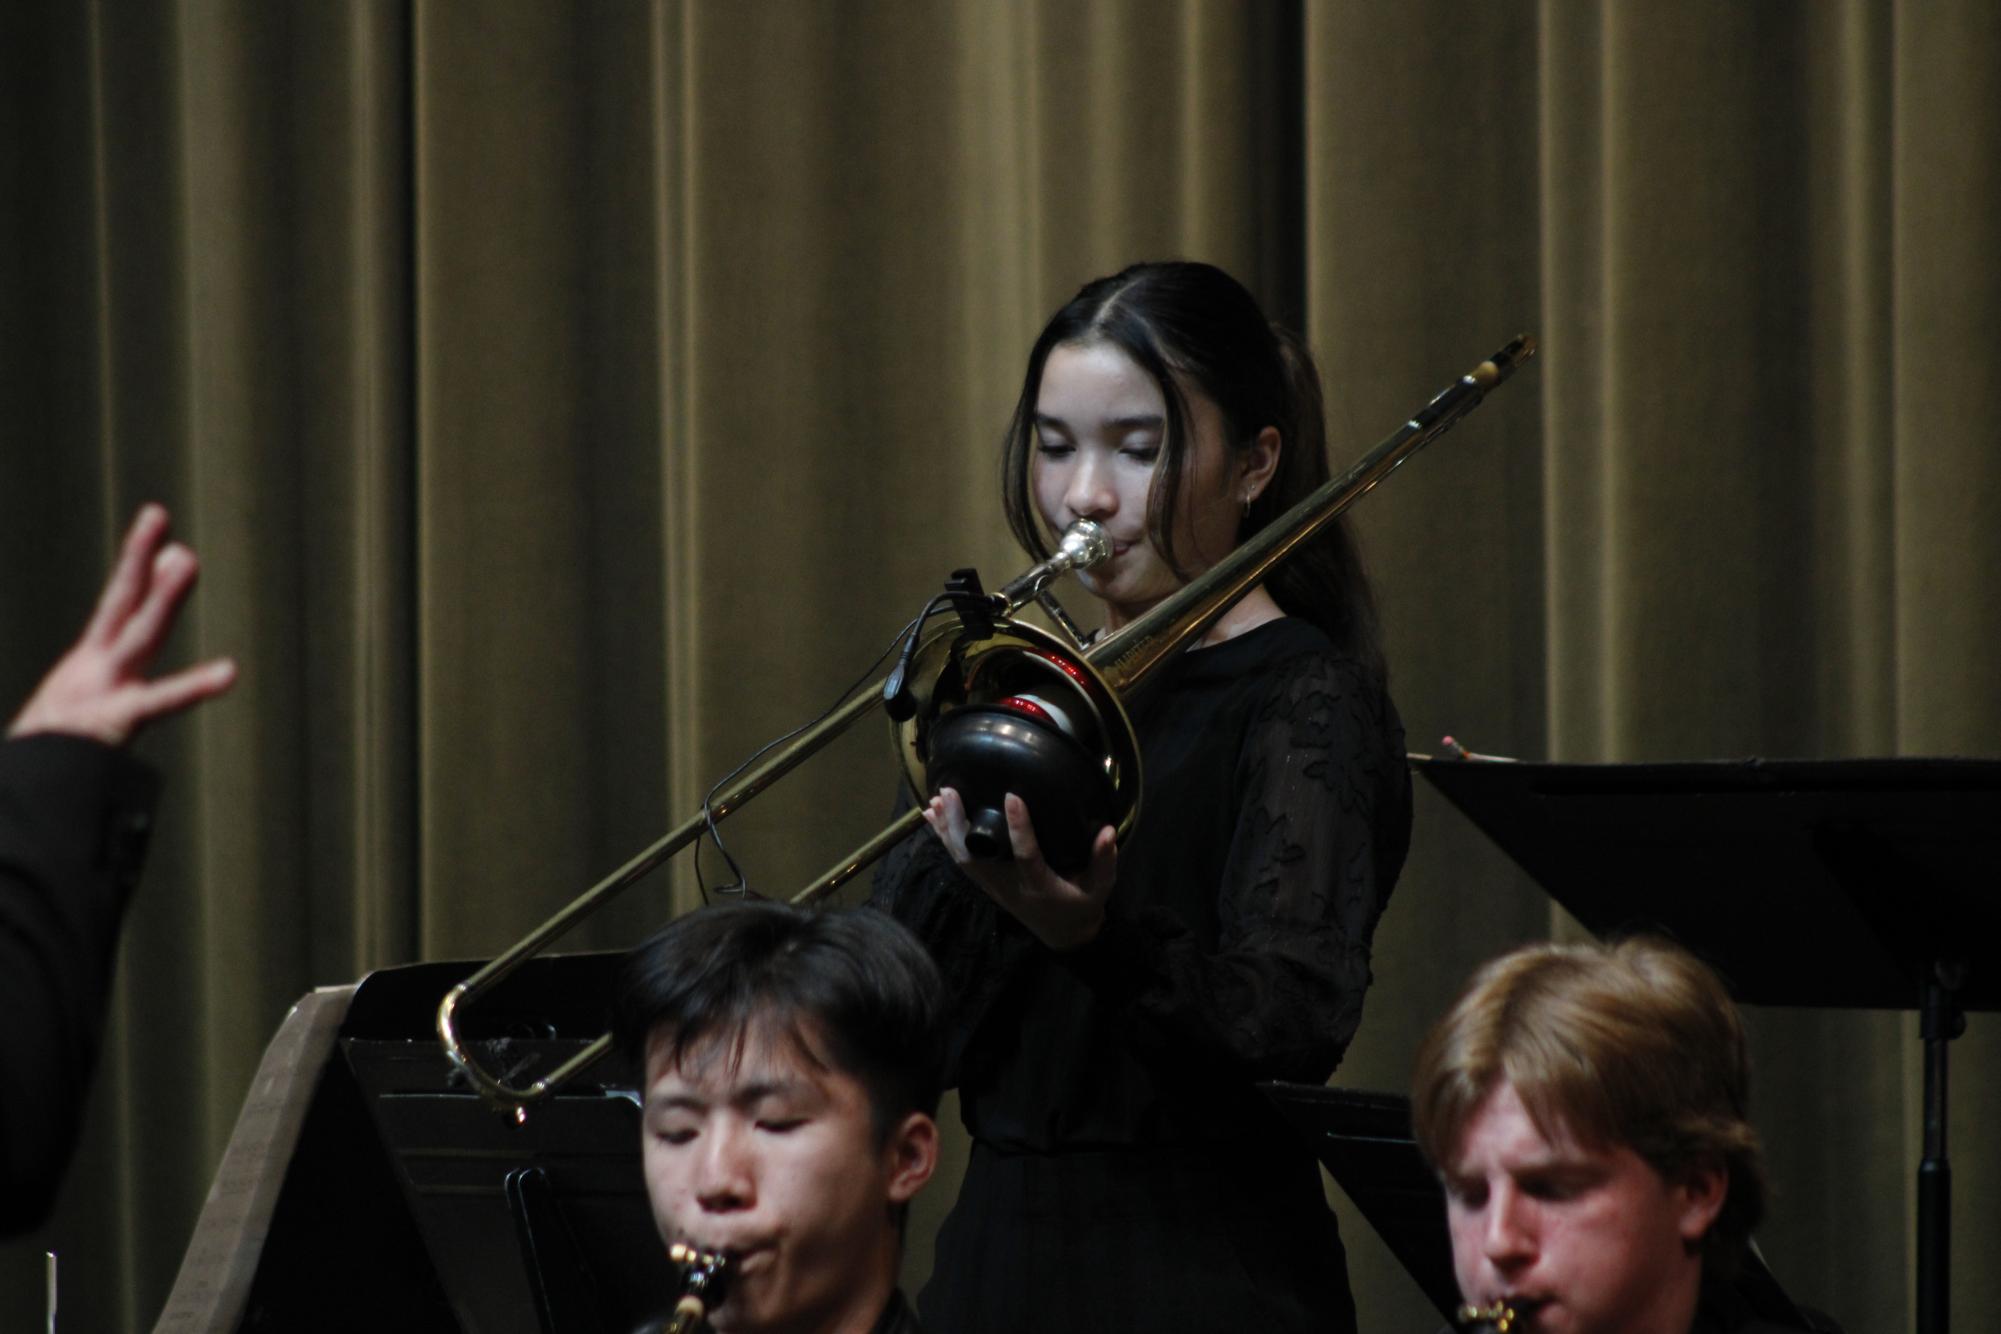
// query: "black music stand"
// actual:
[[1364, 1141], [1896, 863], [536, 1225], [366, 1187]]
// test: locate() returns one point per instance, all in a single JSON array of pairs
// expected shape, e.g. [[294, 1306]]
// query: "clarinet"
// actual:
[[704, 1280], [1496, 1319]]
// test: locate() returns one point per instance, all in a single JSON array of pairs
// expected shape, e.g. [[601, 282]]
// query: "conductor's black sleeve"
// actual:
[[74, 820]]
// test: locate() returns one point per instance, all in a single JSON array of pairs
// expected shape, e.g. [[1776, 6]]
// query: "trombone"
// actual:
[[990, 705]]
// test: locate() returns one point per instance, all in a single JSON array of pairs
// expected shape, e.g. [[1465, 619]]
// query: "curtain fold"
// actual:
[[565, 400], [1421, 260]]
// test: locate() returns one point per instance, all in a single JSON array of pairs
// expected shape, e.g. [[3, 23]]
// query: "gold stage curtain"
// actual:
[[565, 398]]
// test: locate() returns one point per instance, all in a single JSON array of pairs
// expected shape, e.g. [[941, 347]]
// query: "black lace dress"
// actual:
[[1125, 1171]]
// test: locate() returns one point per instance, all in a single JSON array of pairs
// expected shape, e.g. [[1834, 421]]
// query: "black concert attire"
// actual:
[[1726, 1310], [1707, 1322], [1125, 1172], [897, 1317], [74, 817]]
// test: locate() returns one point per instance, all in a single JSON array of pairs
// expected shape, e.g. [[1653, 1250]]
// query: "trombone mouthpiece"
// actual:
[[1084, 544]]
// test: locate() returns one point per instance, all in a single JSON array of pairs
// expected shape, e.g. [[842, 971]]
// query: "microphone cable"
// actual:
[[738, 885]]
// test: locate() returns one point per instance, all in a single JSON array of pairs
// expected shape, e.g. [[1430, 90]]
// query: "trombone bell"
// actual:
[[1007, 707]]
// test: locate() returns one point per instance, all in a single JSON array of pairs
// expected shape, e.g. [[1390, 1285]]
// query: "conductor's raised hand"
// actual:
[[1062, 913], [99, 689]]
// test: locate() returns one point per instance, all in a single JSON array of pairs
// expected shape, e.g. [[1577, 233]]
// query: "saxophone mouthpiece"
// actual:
[[1499, 1318], [704, 1284]]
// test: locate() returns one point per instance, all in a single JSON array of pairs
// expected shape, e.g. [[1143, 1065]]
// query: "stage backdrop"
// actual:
[[566, 398]]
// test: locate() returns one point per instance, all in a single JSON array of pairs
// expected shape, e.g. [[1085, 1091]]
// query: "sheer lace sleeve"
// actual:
[[1322, 826]]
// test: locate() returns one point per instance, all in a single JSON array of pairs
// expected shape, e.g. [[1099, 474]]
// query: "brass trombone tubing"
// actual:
[[757, 780], [863, 857], [1124, 659], [802, 748], [1184, 616]]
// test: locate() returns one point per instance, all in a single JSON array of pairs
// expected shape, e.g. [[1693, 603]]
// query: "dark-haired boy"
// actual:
[[792, 1065]]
